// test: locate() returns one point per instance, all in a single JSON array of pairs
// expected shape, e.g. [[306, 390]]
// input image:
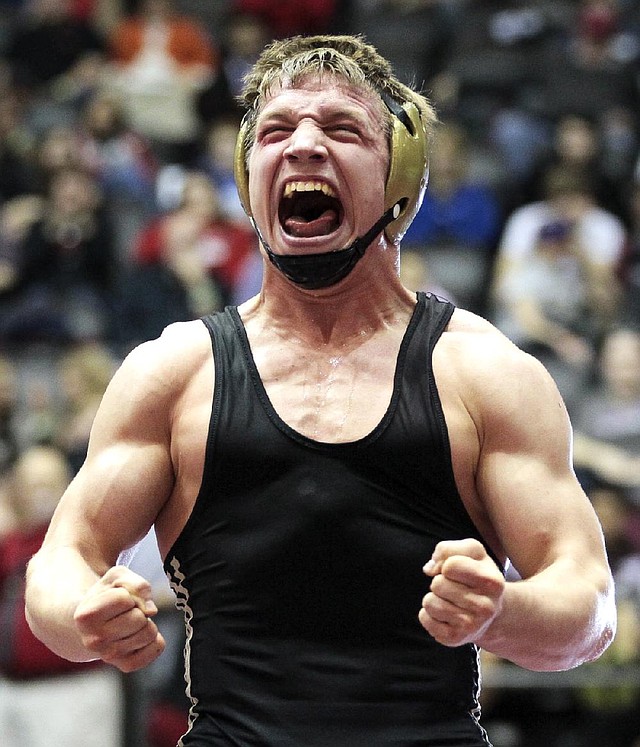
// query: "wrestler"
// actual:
[[339, 470]]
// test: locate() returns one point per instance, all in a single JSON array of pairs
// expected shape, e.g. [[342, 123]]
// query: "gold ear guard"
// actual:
[[240, 169], [408, 170]]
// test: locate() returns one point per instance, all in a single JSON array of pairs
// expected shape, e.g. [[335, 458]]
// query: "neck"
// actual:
[[337, 317]]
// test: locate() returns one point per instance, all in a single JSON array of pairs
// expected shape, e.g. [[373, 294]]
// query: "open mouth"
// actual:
[[309, 209]]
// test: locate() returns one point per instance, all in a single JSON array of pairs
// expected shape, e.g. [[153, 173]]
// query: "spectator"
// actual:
[[64, 267], [58, 148], [456, 208], [607, 422], [124, 163], [216, 161], [568, 197], [121, 158], [83, 373], [45, 700], [50, 42], [577, 145], [187, 262], [551, 305], [243, 38], [222, 245], [160, 60]]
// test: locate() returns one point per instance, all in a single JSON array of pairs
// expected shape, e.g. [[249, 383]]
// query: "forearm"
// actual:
[[554, 620], [57, 580]]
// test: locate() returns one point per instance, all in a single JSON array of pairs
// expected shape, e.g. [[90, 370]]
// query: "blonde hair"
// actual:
[[289, 61]]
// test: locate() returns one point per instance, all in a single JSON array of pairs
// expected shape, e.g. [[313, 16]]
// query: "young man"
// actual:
[[337, 470]]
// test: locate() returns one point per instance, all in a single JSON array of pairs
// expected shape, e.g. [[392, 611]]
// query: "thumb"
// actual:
[[445, 549], [138, 587]]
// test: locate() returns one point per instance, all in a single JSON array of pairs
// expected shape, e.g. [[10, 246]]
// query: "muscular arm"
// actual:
[[562, 612], [75, 598]]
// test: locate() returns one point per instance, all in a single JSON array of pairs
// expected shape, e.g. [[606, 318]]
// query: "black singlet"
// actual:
[[300, 569]]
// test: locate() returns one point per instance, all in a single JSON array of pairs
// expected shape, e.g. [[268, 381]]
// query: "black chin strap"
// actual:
[[324, 269]]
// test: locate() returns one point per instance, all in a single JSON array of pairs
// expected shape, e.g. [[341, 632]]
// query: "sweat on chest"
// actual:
[[330, 398]]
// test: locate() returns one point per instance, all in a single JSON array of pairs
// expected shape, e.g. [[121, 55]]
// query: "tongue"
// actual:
[[323, 225]]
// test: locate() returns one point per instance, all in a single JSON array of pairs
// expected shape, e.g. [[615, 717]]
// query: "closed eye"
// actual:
[[343, 130], [274, 133]]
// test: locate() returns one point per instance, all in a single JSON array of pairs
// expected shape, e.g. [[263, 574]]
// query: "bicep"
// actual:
[[526, 480], [125, 480]]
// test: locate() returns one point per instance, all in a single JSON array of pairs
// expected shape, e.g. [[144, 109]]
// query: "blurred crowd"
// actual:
[[119, 215]]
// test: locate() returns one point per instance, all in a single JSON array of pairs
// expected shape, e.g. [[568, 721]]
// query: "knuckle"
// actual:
[[142, 656], [150, 633], [127, 666], [447, 636], [482, 606], [93, 643]]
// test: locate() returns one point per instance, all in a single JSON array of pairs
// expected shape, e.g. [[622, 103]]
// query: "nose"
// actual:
[[306, 142]]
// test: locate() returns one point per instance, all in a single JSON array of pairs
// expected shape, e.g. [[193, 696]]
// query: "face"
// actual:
[[73, 192], [576, 139], [318, 166]]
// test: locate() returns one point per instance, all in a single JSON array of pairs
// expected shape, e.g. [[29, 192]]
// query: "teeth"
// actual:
[[291, 187]]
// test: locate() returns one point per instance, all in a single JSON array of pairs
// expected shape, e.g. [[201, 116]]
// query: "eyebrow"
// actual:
[[326, 114]]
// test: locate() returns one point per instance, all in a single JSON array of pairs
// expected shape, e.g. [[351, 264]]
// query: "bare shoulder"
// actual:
[[155, 375], [179, 348], [494, 378], [478, 349], [166, 362]]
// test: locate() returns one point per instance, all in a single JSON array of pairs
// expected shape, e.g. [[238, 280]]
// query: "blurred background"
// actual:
[[119, 215]]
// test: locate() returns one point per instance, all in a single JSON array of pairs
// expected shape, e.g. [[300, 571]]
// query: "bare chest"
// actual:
[[329, 395]]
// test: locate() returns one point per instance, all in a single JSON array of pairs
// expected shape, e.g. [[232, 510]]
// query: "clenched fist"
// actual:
[[114, 621], [465, 595]]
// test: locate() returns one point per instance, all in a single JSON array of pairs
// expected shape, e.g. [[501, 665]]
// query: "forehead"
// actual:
[[323, 95]]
